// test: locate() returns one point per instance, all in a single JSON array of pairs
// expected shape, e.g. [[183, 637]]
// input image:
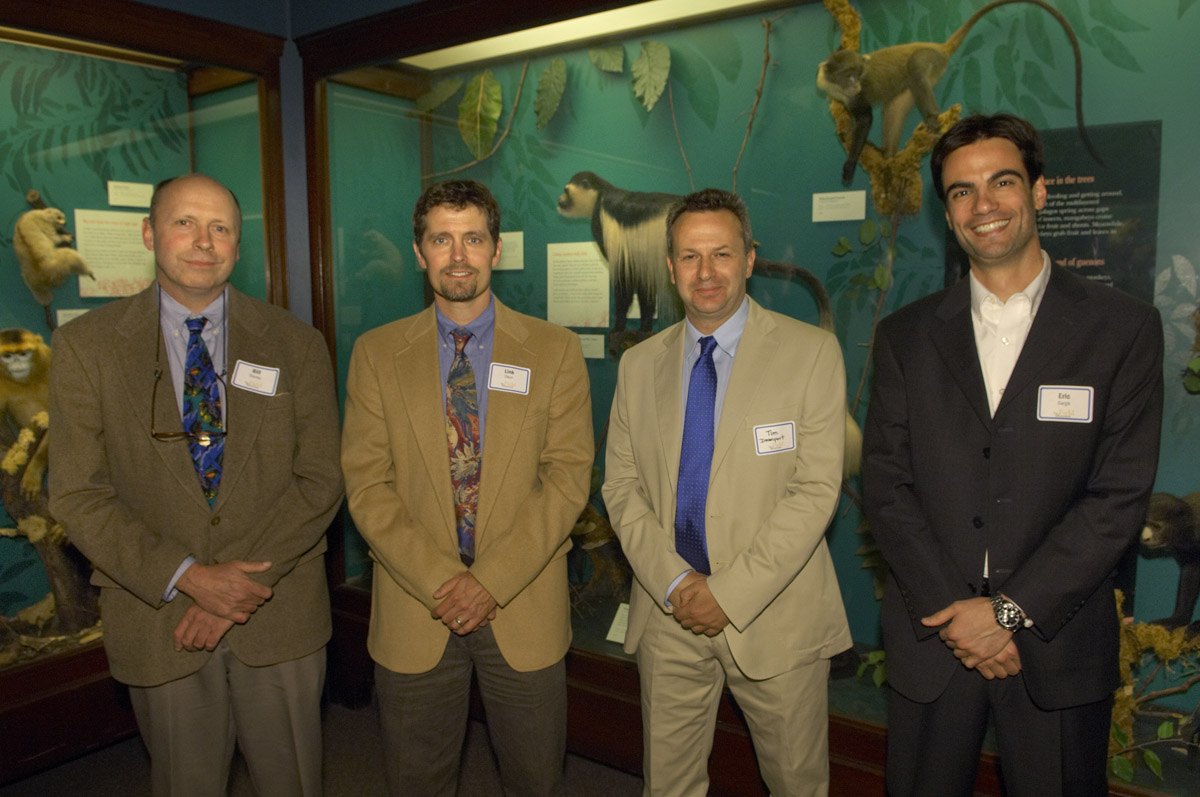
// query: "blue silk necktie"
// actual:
[[695, 459], [202, 411], [462, 435]]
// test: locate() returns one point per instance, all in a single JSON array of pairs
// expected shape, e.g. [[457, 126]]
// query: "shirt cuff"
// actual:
[[170, 592], [671, 588]]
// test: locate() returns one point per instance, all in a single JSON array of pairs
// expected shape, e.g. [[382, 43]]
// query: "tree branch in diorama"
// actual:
[[678, 140], [768, 26]]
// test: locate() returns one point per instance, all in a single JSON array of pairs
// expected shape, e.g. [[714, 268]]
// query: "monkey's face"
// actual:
[[459, 254], [577, 201], [839, 75], [17, 364], [991, 205], [710, 266], [194, 238]]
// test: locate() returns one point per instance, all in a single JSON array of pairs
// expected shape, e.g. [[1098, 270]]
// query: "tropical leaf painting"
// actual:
[[550, 89], [479, 113], [437, 96], [650, 72], [118, 120]]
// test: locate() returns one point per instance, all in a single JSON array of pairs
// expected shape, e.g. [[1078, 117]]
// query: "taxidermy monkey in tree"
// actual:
[[43, 248], [904, 75], [631, 229], [1173, 529], [24, 394]]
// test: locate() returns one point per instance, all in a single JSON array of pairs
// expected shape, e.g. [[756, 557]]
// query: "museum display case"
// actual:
[[99, 104], [727, 97]]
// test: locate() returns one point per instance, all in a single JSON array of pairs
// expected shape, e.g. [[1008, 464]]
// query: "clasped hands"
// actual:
[[971, 631], [465, 604], [694, 606], [223, 594]]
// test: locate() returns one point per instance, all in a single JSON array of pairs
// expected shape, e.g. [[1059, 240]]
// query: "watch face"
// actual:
[[1007, 614]]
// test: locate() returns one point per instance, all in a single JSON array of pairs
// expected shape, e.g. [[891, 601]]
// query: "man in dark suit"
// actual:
[[1010, 448], [194, 461]]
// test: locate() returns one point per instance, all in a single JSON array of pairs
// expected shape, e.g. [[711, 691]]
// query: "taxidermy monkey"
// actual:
[[902, 75], [24, 393], [43, 249], [631, 229], [1173, 529]]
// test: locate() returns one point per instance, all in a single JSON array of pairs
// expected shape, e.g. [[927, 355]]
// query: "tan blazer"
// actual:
[[133, 505], [537, 458], [767, 512]]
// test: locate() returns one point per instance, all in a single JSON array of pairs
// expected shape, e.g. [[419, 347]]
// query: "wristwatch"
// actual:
[[1008, 614]]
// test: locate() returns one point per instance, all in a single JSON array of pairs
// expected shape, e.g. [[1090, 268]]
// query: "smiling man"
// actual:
[[194, 461], [723, 470], [469, 531], [1010, 448]]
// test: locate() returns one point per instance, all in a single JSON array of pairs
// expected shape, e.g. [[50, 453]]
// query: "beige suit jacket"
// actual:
[[537, 459], [133, 504], [767, 511]]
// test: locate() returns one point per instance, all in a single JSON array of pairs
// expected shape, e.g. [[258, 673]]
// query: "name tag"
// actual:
[[509, 378], [774, 438], [1067, 403], [259, 379]]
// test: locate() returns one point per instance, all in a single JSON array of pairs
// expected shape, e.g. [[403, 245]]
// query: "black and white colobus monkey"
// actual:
[[904, 75], [631, 229]]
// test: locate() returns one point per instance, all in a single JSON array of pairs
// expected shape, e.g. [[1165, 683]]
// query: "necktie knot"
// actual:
[[196, 325], [461, 336], [707, 345]]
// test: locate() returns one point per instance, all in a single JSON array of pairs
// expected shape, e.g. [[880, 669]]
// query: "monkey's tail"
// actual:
[[815, 286], [957, 37]]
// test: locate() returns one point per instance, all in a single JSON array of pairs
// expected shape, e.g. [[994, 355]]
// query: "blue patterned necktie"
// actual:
[[202, 411], [462, 434], [695, 459]]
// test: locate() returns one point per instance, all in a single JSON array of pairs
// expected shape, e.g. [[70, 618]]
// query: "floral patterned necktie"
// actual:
[[202, 411], [462, 434]]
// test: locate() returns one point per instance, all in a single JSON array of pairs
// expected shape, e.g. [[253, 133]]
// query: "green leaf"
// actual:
[[1118, 733], [1166, 730], [1153, 762], [696, 76], [1006, 72], [650, 72], [1070, 9], [844, 241], [1114, 50], [885, 228], [441, 91], [879, 676], [867, 231], [550, 89], [882, 277], [479, 112], [1122, 767], [1194, 364], [839, 250], [608, 59], [720, 47], [1034, 79], [875, 657], [1104, 12], [862, 667], [1191, 383], [1039, 41]]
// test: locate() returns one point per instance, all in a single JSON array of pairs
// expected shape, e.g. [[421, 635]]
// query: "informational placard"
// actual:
[[593, 347], [576, 285], [130, 195], [111, 244], [1100, 219], [839, 206], [512, 252]]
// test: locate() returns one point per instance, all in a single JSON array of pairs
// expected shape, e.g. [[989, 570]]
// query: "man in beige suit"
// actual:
[[470, 575], [215, 607], [735, 584]]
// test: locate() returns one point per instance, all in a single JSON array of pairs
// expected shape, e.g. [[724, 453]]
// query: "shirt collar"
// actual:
[[480, 328], [1033, 291], [175, 314], [728, 335]]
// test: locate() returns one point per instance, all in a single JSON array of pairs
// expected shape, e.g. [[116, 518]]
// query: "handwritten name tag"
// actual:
[[1067, 403], [509, 378], [259, 379], [773, 438]]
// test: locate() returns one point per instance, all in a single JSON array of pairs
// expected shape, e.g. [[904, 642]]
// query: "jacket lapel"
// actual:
[[141, 335], [418, 381], [248, 341], [506, 411], [668, 371], [1052, 325], [954, 339]]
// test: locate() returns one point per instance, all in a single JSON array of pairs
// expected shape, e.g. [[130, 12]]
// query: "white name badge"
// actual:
[[509, 378], [773, 438], [1066, 403], [259, 379]]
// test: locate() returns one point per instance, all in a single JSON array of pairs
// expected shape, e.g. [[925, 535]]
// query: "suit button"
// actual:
[[987, 453], [216, 521], [977, 522]]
